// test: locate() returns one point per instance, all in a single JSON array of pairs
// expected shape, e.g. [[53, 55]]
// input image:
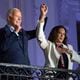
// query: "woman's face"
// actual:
[[60, 35]]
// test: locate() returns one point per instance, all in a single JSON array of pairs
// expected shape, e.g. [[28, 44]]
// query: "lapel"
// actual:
[[21, 39], [20, 42], [7, 30], [24, 40], [57, 54], [53, 55]]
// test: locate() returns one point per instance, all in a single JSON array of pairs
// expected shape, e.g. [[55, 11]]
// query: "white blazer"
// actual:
[[51, 52]]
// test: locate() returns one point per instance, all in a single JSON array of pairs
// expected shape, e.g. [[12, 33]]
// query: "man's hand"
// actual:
[[18, 28], [43, 12]]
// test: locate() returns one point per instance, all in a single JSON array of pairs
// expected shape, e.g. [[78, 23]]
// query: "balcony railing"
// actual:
[[24, 72]]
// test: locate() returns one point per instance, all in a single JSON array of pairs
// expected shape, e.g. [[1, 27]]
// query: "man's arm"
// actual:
[[32, 34], [42, 18]]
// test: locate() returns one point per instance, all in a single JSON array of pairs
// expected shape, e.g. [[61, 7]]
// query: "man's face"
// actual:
[[60, 35], [16, 19]]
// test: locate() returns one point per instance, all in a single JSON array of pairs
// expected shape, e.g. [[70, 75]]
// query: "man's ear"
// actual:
[[9, 18]]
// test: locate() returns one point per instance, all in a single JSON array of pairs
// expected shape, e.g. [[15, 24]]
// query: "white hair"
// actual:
[[12, 11]]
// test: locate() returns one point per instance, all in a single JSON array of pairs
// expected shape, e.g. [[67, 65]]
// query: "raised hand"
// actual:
[[43, 11]]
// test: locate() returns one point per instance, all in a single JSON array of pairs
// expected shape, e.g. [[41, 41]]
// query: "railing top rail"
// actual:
[[36, 67]]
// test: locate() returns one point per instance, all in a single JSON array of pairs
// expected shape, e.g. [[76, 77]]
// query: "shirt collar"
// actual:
[[11, 28]]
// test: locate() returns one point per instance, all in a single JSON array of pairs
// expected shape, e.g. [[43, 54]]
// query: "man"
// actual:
[[14, 39]]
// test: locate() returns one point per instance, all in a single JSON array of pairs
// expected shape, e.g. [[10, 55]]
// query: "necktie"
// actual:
[[63, 61]]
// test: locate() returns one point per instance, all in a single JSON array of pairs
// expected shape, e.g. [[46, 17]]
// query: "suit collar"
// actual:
[[7, 30]]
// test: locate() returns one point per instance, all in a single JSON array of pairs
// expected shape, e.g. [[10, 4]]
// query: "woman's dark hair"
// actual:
[[53, 34]]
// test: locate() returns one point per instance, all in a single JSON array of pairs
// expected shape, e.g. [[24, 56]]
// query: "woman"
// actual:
[[58, 53]]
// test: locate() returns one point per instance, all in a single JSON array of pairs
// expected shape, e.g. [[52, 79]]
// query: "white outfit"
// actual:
[[51, 52]]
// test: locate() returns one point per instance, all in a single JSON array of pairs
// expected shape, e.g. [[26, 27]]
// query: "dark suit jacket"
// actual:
[[14, 49]]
